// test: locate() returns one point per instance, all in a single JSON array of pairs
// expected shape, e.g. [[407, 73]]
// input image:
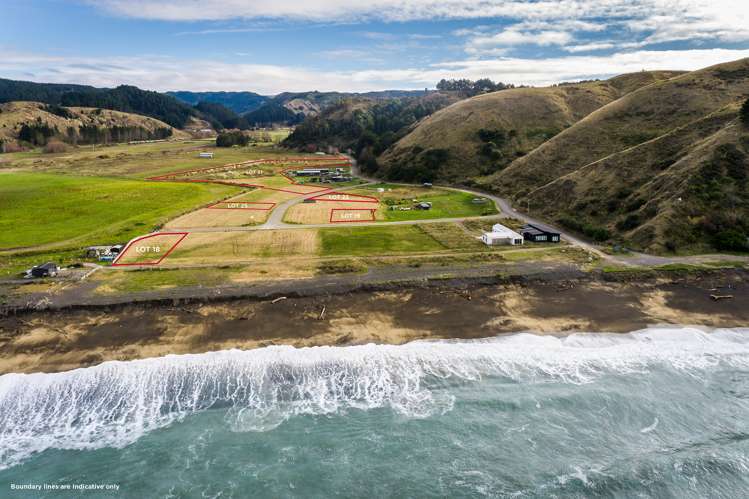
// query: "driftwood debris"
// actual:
[[280, 298], [720, 297], [322, 313]]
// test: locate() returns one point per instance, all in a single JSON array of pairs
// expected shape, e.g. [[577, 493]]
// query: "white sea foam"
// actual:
[[115, 403]]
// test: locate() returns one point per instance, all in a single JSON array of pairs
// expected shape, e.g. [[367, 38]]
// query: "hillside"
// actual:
[[662, 168], [123, 98], [78, 124], [239, 102], [483, 134], [364, 124]]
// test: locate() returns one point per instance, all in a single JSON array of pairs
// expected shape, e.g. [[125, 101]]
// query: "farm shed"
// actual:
[[539, 233]]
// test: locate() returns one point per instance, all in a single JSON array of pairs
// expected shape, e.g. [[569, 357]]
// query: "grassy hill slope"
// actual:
[[483, 134], [662, 168]]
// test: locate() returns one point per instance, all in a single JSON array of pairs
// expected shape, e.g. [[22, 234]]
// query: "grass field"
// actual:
[[138, 160], [38, 209], [445, 203], [365, 241], [150, 279]]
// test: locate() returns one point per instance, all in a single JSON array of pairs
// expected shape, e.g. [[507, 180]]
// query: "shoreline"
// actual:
[[394, 313]]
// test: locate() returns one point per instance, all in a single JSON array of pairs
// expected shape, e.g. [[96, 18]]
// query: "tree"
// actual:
[[745, 113], [230, 139]]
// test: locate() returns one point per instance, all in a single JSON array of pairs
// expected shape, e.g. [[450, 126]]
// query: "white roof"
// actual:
[[501, 230]]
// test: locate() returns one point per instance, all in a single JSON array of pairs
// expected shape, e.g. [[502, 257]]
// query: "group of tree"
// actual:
[[470, 88], [232, 138], [744, 113], [40, 133]]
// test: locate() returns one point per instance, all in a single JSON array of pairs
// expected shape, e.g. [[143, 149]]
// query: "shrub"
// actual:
[[730, 240], [54, 146], [628, 223], [745, 113]]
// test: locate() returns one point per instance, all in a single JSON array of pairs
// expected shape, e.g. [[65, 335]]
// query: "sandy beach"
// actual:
[[60, 340]]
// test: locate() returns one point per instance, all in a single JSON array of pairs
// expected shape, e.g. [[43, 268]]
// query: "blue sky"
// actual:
[[270, 46]]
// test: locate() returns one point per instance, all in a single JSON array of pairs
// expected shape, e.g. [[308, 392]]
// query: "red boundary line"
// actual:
[[366, 199], [215, 206], [130, 244], [333, 210]]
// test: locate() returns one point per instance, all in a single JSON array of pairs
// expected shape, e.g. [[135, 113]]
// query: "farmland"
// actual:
[[41, 209], [242, 206]]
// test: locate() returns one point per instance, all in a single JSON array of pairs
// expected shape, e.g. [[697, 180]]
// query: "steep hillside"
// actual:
[[40, 122], [639, 116], [662, 168], [483, 134], [239, 102]]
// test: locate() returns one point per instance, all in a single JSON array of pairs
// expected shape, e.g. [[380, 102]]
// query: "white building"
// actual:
[[501, 235]]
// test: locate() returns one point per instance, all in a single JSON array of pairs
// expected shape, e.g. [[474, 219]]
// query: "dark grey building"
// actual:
[[539, 233]]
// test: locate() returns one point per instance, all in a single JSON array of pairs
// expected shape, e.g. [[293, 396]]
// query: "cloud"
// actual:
[[590, 47], [165, 73]]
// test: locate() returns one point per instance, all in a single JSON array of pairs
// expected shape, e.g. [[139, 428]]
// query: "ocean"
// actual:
[[662, 412]]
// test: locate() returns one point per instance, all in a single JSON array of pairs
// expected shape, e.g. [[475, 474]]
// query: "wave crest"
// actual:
[[115, 403]]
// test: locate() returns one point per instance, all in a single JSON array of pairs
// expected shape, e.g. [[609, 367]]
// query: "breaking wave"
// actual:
[[115, 403]]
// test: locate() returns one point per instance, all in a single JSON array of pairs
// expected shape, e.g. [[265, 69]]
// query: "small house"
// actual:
[[48, 269], [205, 155], [539, 233], [423, 206], [427, 184], [501, 235]]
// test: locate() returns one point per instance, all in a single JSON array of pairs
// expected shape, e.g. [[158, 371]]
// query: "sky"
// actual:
[[272, 46]]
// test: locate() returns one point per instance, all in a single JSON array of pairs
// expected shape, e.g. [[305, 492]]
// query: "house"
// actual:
[[423, 206], [103, 251], [501, 235], [205, 155], [539, 233], [310, 172], [48, 269], [427, 184]]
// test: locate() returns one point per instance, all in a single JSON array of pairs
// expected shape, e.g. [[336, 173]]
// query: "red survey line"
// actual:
[[333, 210], [130, 244]]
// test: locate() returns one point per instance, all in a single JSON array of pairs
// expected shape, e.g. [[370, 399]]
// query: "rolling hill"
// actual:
[[78, 124], [124, 98], [662, 168], [483, 134]]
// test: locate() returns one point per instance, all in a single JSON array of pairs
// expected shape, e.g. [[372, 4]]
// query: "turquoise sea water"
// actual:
[[662, 412]]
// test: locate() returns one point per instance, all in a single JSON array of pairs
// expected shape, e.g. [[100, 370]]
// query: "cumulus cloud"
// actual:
[[163, 73]]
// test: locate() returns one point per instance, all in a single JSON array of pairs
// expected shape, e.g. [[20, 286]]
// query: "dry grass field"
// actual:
[[226, 247], [320, 212], [215, 217], [151, 249]]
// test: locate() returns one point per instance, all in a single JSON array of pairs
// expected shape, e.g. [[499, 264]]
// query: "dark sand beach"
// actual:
[[57, 340]]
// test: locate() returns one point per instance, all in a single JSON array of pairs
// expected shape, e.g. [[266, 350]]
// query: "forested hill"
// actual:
[[123, 98], [239, 102], [365, 125]]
